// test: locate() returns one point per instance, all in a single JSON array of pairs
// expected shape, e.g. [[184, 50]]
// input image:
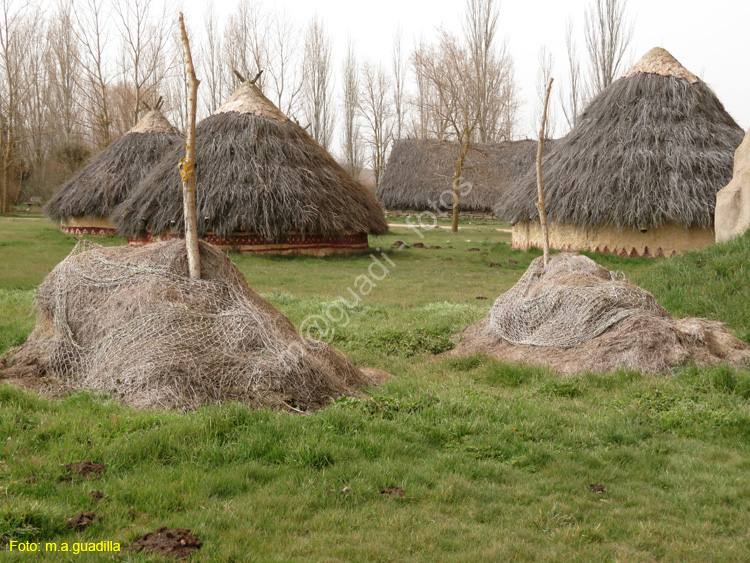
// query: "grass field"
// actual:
[[484, 461]]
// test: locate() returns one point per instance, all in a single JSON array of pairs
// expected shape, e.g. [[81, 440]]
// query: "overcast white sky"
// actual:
[[707, 37]]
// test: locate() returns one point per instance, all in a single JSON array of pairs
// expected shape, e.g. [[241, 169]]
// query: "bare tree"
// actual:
[[573, 102], [492, 67], [399, 82], [351, 142], [608, 35], [91, 23], [246, 40], [33, 135], [449, 68], [543, 77], [285, 78], [317, 92], [144, 41], [422, 126], [63, 71], [212, 60], [18, 23], [376, 109]]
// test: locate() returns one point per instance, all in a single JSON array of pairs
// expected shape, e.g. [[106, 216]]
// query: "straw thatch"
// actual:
[[130, 322], [256, 172], [419, 171], [96, 189], [652, 148], [577, 316]]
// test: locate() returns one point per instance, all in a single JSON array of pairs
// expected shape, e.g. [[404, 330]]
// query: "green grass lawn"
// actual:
[[494, 461]]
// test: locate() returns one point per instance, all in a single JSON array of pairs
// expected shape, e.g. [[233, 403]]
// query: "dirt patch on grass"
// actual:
[[178, 542], [86, 468], [82, 520], [393, 492]]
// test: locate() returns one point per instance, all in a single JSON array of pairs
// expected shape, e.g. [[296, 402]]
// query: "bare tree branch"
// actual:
[[608, 36]]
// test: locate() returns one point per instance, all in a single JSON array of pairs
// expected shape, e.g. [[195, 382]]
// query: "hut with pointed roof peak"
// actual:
[[262, 185], [639, 173], [83, 205]]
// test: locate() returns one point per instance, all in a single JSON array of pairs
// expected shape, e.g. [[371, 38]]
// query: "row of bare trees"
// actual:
[[76, 75]]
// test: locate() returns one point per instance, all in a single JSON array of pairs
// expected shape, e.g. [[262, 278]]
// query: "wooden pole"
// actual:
[[187, 164], [539, 183], [462, 150]]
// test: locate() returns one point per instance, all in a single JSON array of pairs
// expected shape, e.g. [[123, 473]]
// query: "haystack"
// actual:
[[638, 174], [419, 174], [733, 201], [84, 203], [577, 316], [263, 185], [130, 322]]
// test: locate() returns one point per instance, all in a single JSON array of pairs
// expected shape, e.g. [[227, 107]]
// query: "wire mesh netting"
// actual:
[[571, 301], [130, 322]]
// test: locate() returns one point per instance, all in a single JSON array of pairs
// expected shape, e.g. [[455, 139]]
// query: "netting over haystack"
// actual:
[[571, 301], [577, 316], [129, 321]]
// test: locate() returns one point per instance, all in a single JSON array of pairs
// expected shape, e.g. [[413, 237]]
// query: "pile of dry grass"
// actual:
[[577, 316], [128, 321]]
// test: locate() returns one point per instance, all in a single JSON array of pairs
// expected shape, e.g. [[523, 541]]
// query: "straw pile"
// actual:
[[128, 321], [578, 316]]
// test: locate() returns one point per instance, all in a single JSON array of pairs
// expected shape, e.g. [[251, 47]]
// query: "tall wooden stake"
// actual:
[[463, 149], [539, 183], [187, 164]]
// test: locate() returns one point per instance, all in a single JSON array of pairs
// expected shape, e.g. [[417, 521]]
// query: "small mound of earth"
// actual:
[[393, 492], [82, 520], [178, 542], [577, 316], [86, 468], [97, 495]]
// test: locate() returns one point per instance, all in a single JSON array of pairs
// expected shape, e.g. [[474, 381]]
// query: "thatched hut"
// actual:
[[419, 174], [639, 173], [263, 185], [84, 204]]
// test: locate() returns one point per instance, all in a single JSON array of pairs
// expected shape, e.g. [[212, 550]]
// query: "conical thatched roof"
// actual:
[[256, 171], [653, 147], [97, 188], [419, 171]]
